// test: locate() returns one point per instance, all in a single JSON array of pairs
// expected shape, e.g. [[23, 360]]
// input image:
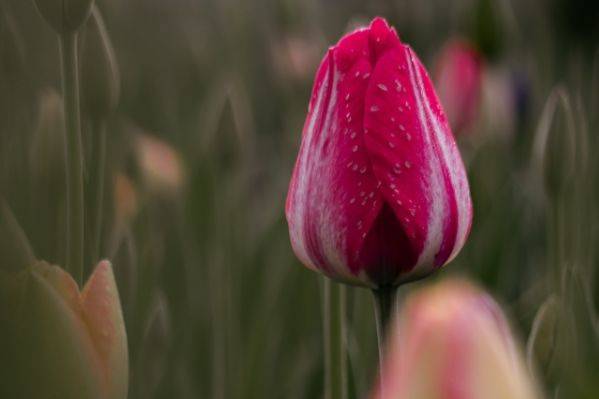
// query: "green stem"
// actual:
[[74, 157], [334, 340], [98, 131], [384, 309]]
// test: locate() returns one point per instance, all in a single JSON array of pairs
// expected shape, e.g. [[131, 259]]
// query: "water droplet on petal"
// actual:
[[391, 145], [354, 148], [397, 85], [382, 87], [401, 127], [363, 169], [355, 167], [374, 108], [351, 201], [353, 135], [408, 136], [407, 164], [366, 75], [412, 212], [347, 97]]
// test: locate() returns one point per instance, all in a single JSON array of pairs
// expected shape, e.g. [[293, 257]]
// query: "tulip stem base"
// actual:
[[384, 309], [74, 155], [334, 301]]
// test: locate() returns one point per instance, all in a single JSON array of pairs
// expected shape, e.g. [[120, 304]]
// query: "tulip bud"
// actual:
[[64, 15], [555, 144], [65, 343], [14, 246], [453, 341], [379, 194], [100, 80], [458, 80], [160, 164], [47, 152]]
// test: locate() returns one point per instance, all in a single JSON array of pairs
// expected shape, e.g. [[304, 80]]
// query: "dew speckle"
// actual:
[[366, 75], [397, 85], [413, 212], [354, 167], [393, 119], [347, 97], [353, 135], [362, 193], [382, 87], [400, 108], [402, 127], [354, 148], [371, 194], [408, 164], [391, 145], [363, 169], [374, 108], [357, 74], [353, 200], [408, 136]]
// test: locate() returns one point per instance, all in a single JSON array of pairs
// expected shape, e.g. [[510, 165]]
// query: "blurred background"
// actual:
[[213, 96]]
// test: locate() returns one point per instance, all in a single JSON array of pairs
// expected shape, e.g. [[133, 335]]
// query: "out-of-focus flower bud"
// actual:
[[100, 79], [379, 194], [160, 164], [65, 343], [294, 57], [458, 78], [64, 15], [543, 339], [14, 246], [154, 348], [555, 146], [453, 341], [125, 199], [47, 151]]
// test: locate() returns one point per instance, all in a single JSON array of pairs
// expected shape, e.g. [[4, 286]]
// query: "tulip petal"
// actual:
[[333, 198], [102, 314], [414, 155]]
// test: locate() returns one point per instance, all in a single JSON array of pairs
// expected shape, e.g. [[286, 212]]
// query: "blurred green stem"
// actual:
[[384, 308], [74, 158], [98, 131], [334, 340]]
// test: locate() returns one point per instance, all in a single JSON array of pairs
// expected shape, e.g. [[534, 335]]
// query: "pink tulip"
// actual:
[[452, 341], [379, 194], [458, 76]]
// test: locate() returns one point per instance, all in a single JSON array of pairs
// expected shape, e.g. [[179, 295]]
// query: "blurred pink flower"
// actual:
[[458, 78], [160, 164], [379, 194], [452, 341]]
